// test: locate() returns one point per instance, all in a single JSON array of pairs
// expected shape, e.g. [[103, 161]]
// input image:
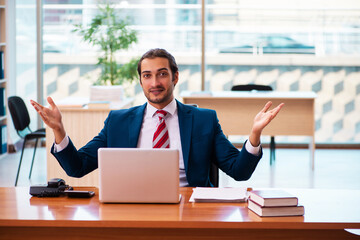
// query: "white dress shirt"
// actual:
[[148, 128]]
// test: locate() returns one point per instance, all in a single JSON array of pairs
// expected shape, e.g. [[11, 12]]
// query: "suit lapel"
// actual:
[[135, 122], [185, 124]]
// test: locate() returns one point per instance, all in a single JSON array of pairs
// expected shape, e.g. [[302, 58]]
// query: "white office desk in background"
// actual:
[[81, 124], [236, 111]]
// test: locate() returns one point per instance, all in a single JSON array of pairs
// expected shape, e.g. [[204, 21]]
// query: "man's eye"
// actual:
[[146, 75], [163, 74]]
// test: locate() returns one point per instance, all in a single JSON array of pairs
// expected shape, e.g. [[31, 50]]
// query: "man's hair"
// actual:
[[162, 53]]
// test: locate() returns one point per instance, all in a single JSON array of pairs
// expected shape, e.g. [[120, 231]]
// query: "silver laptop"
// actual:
[[137, 175]]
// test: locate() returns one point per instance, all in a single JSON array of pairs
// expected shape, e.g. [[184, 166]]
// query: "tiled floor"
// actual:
[[333, 169], [9, 165]]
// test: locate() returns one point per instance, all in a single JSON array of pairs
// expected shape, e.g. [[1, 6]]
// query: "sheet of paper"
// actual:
[[209, 194]]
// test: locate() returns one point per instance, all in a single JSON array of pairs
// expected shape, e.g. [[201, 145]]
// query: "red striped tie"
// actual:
[[161, 135]]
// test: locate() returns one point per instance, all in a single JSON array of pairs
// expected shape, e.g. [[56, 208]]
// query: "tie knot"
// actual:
[[161, 114]]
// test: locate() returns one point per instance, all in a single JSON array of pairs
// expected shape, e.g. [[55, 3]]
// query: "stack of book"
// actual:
[[274, 203]]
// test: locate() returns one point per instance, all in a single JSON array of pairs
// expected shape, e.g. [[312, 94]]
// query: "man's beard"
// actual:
[[157, 100]]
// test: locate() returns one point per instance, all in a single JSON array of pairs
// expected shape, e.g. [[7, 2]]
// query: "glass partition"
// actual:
[[26, 75], [308, 46], [69, 63]]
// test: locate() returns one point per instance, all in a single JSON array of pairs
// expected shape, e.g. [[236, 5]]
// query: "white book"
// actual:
[[273, 198]]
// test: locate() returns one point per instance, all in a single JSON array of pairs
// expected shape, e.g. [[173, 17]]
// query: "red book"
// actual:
[[273, 198]]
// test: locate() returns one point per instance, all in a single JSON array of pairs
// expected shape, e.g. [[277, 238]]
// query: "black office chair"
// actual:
[[21, 119], [214, 170], [251, 87], [214, 174]]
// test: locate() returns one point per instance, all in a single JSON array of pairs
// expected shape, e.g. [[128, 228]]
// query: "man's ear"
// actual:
[[176, 78]]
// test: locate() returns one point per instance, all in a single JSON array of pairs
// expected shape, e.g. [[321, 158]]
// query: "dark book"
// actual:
[[2, 101], [3, 138], [2, 65], [273, 198], [276, 211]]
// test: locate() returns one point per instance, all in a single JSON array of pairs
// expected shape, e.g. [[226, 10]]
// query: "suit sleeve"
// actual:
[[78, 163], [238, 164]]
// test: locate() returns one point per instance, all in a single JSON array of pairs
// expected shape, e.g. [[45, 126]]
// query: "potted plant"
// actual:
[[110, 34]]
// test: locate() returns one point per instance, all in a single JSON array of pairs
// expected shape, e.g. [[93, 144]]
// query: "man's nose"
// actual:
[[155, 81]]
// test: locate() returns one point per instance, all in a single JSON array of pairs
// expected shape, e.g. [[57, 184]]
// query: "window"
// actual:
[[311, 46], [26, 75], [69, 63]]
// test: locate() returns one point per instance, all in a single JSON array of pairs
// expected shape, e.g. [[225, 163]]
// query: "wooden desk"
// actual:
[[236, 111], [81, 124], [327, 214]]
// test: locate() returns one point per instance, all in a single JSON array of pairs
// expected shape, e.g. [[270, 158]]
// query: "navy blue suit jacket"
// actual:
[[202, 141]]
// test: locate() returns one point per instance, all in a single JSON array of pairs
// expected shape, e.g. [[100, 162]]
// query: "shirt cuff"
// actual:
[[62, 145], [251, 149]]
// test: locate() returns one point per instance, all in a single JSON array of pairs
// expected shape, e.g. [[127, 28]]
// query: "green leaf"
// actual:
[[110, 34]]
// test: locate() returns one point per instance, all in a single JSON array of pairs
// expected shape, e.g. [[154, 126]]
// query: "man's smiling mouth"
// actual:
[[156, 91]]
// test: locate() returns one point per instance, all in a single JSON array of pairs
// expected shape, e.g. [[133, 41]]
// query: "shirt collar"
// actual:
[[170, 108]]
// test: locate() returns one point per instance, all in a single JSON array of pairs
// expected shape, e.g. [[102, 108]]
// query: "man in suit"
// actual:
[[195, 132]]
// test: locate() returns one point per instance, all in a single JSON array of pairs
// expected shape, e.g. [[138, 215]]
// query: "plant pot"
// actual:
[[111, 94]]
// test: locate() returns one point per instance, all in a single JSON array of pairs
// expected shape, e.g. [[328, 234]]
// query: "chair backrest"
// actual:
[[214, 174], [250, 87], [19, 113]]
